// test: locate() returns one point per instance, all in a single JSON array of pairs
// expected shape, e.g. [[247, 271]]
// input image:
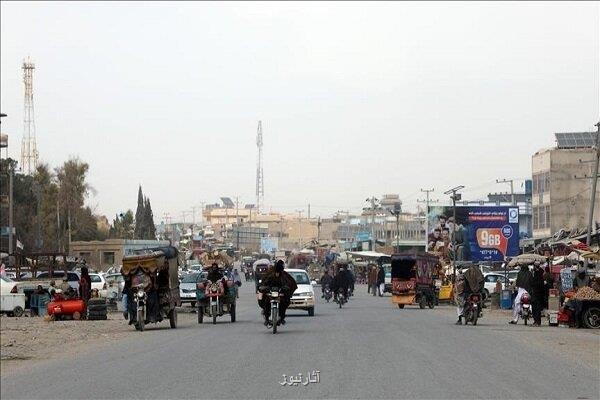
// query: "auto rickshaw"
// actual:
[[154, 286], [412, 279]]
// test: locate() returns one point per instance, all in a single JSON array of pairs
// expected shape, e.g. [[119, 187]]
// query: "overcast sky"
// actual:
[[356, 99]]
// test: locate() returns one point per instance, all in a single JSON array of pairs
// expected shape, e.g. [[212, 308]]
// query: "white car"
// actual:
[[99, 282], [304, 297], [116, 284], [490, 280], [187, 287]]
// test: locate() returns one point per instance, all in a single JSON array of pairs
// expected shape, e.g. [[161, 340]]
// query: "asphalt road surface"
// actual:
[[369, 349]]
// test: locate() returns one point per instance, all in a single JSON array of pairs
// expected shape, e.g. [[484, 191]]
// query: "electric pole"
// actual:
[[593, 194], [237, 222], [512, 190], [427, 201], [373, 201], [455, 196]]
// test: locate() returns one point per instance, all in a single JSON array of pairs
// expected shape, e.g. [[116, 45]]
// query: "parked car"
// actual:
[[187, 287], [7, 285], [115, 285], [304, 297], [99, 282], [58, 276], [489, 285]]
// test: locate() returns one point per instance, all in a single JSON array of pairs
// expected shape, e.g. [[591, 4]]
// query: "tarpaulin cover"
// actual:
[[148, 262]]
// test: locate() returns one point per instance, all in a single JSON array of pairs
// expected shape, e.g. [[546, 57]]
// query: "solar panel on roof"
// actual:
[[571, 140]]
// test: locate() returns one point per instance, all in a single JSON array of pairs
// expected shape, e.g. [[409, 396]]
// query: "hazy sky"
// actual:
[[356, 98]]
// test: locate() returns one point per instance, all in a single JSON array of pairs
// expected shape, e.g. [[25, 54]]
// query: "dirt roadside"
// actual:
[[32, 339]]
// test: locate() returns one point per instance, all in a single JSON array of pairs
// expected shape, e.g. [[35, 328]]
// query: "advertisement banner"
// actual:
[[482, 233], [269, 244]]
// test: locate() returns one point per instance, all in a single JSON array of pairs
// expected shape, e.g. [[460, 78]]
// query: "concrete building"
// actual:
[[559, 200], [106, 253]]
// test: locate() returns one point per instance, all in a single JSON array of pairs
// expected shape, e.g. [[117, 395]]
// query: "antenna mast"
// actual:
[[260, 184], [29, 153]]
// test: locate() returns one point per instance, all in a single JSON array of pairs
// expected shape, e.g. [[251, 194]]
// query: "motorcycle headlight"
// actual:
[[274, 294], [140, 293]]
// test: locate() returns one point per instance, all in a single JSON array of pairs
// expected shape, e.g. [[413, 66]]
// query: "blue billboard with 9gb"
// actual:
[[482, 233]]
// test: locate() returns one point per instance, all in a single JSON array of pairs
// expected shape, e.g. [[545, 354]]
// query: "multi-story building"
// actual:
[[560, 198]]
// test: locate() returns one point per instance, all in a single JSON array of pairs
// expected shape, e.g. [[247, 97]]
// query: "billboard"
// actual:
[[269, 244], [482, 233]]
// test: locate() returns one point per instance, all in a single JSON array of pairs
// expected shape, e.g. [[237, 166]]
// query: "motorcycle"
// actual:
[[215, 304], [472, 310], [139, 297], [327, 293], [275, 295], [341, 297], [525, 311]]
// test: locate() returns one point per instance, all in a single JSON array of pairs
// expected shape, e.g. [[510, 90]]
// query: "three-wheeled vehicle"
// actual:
[[154, 286], [412, 279], [216, 298]]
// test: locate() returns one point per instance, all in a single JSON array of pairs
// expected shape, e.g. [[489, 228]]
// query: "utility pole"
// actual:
[[237, 221], [373, 201], [11, 174], [396, 212], [167, 217], [455, 197], [193, 218], [512, 190], [299, 229], [593, 194], [309, 211], [427, 201]]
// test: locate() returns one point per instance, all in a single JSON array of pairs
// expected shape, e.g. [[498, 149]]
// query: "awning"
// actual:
[[367, 254]]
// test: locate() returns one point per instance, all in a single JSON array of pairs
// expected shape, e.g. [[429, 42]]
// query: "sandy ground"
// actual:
[[30, 339]]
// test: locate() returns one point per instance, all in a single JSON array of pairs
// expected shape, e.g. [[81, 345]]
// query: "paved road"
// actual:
[[369, 349]]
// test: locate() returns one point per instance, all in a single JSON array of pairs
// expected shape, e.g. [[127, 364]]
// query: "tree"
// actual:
[[72, 192], [139, 215], [149, 227], [123, 226]]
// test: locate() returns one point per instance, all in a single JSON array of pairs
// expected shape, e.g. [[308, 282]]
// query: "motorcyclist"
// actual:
[[522, 285], [277, 277], [326, 281], [214, 273], [472, 282], [342, 280]]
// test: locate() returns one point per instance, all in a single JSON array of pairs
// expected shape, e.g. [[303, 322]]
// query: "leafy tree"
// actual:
[[123, 226]]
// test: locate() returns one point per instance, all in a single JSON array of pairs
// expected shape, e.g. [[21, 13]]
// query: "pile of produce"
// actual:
[[587, 293]]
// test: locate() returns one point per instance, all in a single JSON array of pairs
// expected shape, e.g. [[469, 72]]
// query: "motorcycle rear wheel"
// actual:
[[213, 311], [200, 314]]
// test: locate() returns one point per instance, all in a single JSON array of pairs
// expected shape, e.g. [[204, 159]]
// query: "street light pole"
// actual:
[[396, 212], [512, 190], [593, 194], [454, 196]]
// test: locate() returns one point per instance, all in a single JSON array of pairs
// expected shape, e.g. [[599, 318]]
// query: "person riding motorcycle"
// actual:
[[343, 280], [277, 277], [523, 287], [326, 281], [468, 283], [215, 274]]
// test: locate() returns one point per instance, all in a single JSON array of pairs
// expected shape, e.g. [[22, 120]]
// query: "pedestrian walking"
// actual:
[[537, 294], [548, 284], [371, 279], [381, 281], [85, 286]]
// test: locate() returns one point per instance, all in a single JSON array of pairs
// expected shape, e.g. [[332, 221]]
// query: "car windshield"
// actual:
[[6, 279], [301, 278], [95, 278], [192, 278]]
